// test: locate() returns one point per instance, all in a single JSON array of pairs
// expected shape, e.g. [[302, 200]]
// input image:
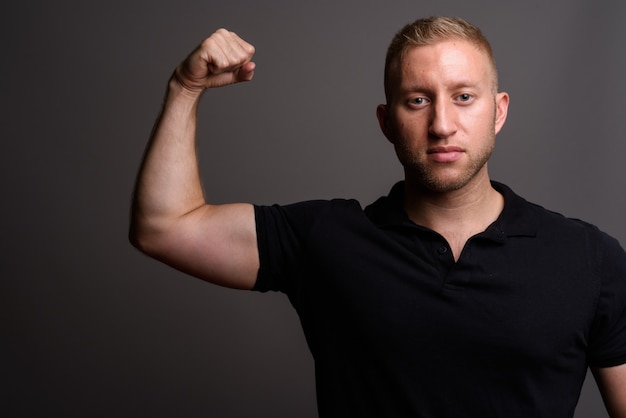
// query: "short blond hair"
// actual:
[[430, 31]]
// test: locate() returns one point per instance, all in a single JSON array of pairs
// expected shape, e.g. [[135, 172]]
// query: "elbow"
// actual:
[[136, 238], [137, 228], [141, 238], [154, 239]]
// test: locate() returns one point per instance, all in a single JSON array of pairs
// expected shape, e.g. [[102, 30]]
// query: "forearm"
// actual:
[[168, 185]]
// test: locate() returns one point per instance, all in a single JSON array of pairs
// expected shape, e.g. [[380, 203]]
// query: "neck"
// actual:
[[456, 215]]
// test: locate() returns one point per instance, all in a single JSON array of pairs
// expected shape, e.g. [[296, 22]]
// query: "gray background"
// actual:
[[92, 328]]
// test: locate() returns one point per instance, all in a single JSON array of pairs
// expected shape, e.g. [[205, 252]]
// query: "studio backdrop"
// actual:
[[92, 328]]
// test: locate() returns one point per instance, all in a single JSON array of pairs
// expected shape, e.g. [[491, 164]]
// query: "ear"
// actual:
[[502, 108], [382, 113]]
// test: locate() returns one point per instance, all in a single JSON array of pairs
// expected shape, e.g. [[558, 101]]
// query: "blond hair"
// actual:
[[430, 31]]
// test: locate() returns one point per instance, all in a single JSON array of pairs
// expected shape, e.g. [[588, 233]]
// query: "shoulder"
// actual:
[[570, 237], [304, 215], [310, 209], [287, 235], [522, 215]]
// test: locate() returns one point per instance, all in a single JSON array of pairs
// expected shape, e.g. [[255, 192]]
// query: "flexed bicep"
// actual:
[[216, 243]]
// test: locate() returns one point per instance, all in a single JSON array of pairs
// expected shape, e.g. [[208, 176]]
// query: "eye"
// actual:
[[465, 97], [418, 101]]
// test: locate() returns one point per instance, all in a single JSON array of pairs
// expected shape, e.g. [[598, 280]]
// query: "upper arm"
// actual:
[[216, 243], [612, 384]]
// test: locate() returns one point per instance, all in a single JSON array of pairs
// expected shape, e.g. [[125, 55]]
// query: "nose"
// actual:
[[442, 120]]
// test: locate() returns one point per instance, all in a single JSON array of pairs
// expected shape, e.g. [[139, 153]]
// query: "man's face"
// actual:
[[443, 114]]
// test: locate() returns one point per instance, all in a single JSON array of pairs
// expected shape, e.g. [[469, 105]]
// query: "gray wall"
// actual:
[[93, 328]]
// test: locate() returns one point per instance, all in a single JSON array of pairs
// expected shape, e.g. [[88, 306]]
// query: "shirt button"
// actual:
[[442, 250]]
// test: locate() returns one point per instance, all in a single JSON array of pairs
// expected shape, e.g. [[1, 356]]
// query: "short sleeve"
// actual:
[[607, 344], [281, 237], [284, 239]]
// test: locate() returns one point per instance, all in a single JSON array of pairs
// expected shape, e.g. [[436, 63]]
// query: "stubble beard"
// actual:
[[443, 177]]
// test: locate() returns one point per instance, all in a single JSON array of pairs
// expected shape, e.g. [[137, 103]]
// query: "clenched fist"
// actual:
[[221, 59]]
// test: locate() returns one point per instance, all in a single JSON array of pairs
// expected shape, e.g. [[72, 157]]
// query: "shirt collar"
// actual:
[[515, 219]]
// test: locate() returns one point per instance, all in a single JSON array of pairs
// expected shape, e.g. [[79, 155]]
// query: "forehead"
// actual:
[[453, 61]]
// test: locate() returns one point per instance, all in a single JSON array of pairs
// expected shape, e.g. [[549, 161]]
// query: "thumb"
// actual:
[[246, 71]]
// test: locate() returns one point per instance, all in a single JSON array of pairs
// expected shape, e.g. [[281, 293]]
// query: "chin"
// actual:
[[445, 186], [440, 183], [444, 179]]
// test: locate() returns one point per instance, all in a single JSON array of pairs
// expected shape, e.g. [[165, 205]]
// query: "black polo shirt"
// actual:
[[397, 328]]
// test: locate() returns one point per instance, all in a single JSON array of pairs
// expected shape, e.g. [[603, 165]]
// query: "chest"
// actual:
[[501, 303]]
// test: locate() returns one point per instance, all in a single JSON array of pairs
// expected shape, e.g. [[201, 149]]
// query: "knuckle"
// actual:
[[207, 44]]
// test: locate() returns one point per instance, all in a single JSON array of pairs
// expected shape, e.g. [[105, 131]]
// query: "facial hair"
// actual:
[[445, 177]]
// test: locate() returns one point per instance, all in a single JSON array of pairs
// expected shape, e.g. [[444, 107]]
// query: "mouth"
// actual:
[[445, 154]]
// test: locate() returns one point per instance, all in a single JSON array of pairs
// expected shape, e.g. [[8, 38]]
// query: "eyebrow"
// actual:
[[464, 84]]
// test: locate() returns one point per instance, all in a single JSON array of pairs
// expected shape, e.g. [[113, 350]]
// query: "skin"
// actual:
[[443, 101], [442, 120], [612, 384], [171, 219]]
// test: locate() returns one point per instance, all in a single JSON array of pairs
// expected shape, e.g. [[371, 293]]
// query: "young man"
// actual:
[[450, 297]]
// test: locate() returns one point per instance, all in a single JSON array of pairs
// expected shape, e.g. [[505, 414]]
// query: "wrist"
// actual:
[[178, 88]]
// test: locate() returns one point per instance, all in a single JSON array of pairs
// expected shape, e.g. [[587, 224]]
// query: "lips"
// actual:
[[445, 154]]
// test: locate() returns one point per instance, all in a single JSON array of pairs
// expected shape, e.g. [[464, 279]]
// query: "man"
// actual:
[[450, 297]]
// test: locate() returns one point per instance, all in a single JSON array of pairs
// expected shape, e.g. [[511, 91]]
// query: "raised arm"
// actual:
[[171, 220]]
